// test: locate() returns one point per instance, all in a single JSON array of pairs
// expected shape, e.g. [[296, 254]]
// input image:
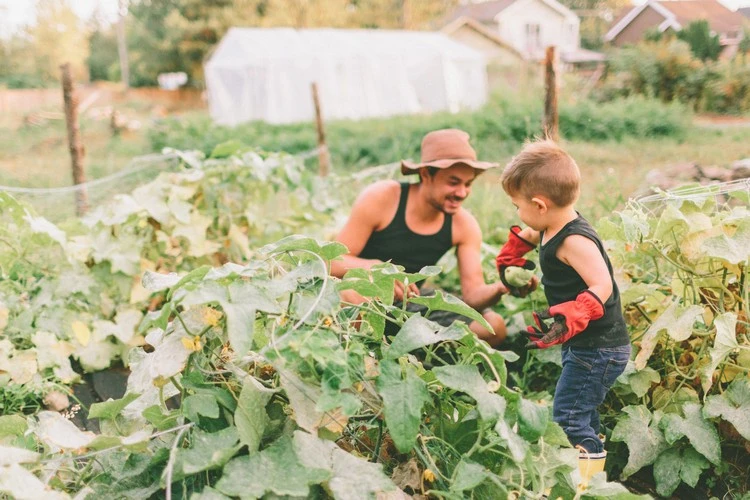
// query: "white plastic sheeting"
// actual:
[[265, 74]]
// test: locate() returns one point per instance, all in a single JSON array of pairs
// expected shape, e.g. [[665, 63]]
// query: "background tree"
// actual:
[[596, 17], [704, 44], [102, 60], [58, 36]]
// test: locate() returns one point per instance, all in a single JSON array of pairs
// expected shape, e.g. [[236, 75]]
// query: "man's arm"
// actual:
[[364, 219], [468, 238], [373, 210]]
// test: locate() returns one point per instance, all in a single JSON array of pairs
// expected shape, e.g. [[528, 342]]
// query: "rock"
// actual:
[[56, 401], [741, 169]]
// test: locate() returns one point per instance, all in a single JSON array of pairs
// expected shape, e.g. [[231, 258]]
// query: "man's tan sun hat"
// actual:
[[443, 149]]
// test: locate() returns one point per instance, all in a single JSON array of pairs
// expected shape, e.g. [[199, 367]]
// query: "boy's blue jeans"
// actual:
[[587, 375]]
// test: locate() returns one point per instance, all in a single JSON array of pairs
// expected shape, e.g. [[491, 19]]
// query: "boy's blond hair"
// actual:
[[543, 168]]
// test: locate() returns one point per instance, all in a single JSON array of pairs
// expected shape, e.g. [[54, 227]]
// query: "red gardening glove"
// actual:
[[570, 319], [511, 255]]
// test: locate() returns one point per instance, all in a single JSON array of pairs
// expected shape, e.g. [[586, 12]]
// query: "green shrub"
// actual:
[[731, 92], [664, 69], [497, 129], [634, 116], [667, 70]]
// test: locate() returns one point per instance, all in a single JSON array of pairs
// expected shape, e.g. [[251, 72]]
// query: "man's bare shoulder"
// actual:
[[465, 226], [381, 191]]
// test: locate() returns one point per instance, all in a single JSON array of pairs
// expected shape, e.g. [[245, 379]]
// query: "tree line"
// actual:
[[177, 35]]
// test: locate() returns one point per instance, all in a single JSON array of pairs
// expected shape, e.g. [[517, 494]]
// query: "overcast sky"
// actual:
[[15, 14]]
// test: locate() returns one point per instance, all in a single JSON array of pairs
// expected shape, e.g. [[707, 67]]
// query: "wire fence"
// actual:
[[722, 195], [59, 203]]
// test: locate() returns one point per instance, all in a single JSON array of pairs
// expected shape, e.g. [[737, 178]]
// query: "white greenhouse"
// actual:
[[266, 74]]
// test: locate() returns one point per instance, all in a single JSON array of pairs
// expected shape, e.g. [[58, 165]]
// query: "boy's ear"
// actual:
[[541, 204]]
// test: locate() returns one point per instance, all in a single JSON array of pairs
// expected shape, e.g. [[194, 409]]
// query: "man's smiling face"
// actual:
[[449, 187]]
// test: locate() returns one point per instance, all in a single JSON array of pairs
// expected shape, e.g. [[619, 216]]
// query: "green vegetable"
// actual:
[[518, 276]]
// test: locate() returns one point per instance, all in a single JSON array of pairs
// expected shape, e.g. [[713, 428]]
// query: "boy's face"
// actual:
[[528, 211], [449, 187]]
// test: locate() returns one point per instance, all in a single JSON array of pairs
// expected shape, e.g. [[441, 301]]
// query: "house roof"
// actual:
[[481, 29], [487, 12], [720, 18], [483, 12], [745, 11], [679, 13]]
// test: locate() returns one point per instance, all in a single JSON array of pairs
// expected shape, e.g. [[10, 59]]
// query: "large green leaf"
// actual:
[[678, 323], [156, 282], [642, 435], [111, 408], [701, 434], [515, 443], [275, 470], [350, 476], [724, 342], [600, 488], [403, 400], [532, 419], [209, 493], [734, 249], [466, 378], [239, 301], [447, 302], [733, 406], [419, 332], [354, 477], [200, 404], [250, 417], [19, 483], [673, 466], [640, 381], [468, 475], [10, 455], [295, 242], [12, 425], [207, 451], [303, 398]]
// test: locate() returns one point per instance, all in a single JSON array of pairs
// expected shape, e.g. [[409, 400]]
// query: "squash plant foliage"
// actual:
[[255, 380], [249, 377], [686, 397]]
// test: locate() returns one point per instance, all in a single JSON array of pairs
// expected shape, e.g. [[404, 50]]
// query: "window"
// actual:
[[533, 37]]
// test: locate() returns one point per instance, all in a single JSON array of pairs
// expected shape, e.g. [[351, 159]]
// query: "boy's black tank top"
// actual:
[[562, 284], [400, 245]]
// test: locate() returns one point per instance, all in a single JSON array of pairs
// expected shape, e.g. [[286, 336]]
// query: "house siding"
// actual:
[[555, 28], [493, 51], [635, 31]]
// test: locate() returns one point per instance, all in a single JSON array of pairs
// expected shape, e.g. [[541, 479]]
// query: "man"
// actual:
[[413, 225]]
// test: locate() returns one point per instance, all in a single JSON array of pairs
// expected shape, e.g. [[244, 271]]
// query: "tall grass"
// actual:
[[497, 129]]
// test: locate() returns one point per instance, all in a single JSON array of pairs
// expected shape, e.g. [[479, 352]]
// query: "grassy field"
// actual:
[[37, 156]]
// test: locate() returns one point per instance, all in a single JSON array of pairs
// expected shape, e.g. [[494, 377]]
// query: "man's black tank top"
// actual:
[[404, 247], [562, 284]]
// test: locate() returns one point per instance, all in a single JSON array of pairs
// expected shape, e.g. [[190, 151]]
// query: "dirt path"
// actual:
[[721, 121]]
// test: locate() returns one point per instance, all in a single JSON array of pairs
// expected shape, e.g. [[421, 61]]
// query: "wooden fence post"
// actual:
[[324, 157], [550, 124], [74, 140]]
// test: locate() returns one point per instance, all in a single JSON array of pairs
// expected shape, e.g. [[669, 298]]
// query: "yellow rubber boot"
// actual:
[[589, 464]]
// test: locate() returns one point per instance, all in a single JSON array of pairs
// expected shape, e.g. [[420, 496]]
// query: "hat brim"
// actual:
[[408, 167]]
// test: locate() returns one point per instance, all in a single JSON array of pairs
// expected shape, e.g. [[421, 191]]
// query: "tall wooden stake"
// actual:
[[74, 140], [550, 125], [324, 157]]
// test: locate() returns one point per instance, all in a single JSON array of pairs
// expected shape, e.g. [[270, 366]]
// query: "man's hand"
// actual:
[[510, 259], [569, 319], [400, 290]]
